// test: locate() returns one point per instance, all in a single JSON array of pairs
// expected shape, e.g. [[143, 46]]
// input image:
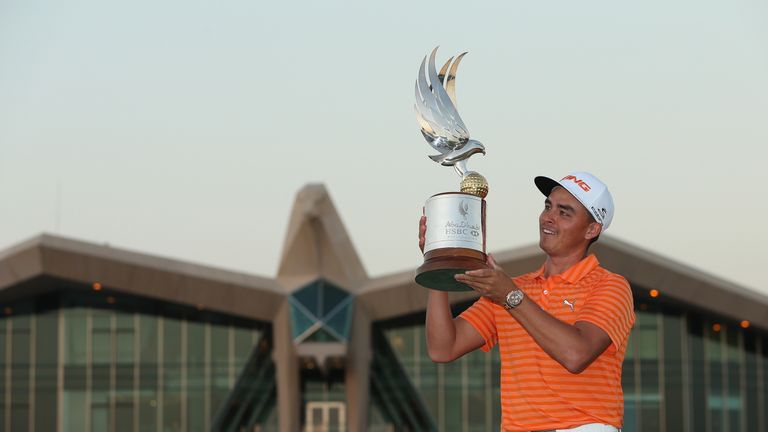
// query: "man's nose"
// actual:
[[546, 216]]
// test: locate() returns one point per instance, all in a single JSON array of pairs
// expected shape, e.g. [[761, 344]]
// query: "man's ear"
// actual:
[[593, 230]]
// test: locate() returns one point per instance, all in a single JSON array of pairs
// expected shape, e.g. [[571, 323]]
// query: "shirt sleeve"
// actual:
[[480, 316], [610, 307]]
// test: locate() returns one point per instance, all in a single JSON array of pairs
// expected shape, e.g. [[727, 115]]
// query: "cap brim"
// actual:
[[545, 184]]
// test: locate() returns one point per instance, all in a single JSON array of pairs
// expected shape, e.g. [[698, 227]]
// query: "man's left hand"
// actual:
[[492, 283]]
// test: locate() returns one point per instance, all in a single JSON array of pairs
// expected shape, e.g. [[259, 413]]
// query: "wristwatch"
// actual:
[[514, 298]]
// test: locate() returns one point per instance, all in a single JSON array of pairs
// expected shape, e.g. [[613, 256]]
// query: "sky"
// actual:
[[185, 128]]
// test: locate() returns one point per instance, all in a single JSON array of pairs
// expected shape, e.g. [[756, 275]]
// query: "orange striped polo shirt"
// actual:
[[537, 393]]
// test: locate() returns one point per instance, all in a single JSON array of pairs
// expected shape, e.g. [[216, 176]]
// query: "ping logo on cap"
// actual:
[[582, 184]]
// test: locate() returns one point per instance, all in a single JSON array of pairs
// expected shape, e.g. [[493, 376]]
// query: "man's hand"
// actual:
[[422, 231], [492, 282]]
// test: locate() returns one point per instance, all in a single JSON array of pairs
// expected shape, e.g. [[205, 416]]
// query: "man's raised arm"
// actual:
[[448, 338]]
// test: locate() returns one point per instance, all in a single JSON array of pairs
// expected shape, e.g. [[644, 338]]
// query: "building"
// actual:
[[93, 338]]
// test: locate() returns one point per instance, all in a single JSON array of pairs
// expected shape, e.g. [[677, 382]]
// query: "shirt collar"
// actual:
[[575, 272], [539, 274]]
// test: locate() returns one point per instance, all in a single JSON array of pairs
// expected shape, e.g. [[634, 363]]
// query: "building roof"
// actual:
[[318, 246], [134, 273]]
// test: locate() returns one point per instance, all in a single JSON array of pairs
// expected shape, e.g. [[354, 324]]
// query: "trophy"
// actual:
[[455, 237]]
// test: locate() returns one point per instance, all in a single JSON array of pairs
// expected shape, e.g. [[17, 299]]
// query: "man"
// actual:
[[561, 330]]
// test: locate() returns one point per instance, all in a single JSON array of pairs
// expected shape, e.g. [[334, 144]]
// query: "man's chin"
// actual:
[[544, 244]]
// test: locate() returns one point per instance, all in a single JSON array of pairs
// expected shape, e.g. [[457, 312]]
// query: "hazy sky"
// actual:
[[185, 128]]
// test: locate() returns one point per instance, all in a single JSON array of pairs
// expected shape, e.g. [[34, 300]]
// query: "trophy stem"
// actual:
[[461, 167]]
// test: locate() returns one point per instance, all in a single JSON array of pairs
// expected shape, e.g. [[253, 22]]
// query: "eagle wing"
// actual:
[[435, 107]]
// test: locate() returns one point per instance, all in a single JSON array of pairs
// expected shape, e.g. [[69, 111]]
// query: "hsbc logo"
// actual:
[[583, 185]]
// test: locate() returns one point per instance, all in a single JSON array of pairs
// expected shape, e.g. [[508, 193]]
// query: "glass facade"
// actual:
[[691, 372], [92, 369], [684, 371], [71, 365], [462, 395]]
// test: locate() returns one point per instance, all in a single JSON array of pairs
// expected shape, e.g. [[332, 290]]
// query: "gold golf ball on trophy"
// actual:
[[474, 184]]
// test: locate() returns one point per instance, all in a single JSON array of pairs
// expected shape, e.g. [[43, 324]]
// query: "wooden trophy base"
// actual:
[[440, 266]]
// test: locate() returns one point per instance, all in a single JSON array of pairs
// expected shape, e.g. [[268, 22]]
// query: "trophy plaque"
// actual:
[[455, 237]]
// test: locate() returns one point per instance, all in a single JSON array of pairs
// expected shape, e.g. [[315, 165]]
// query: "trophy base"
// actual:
[[441, 265]]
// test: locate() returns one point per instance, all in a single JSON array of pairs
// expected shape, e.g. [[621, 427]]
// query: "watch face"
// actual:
[[514, 298]]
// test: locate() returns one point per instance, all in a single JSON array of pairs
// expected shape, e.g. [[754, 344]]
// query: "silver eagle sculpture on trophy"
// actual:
[[441, 123], [455, 236]]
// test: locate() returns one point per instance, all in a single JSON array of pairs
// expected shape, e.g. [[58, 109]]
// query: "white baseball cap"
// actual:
[[588, 189]]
